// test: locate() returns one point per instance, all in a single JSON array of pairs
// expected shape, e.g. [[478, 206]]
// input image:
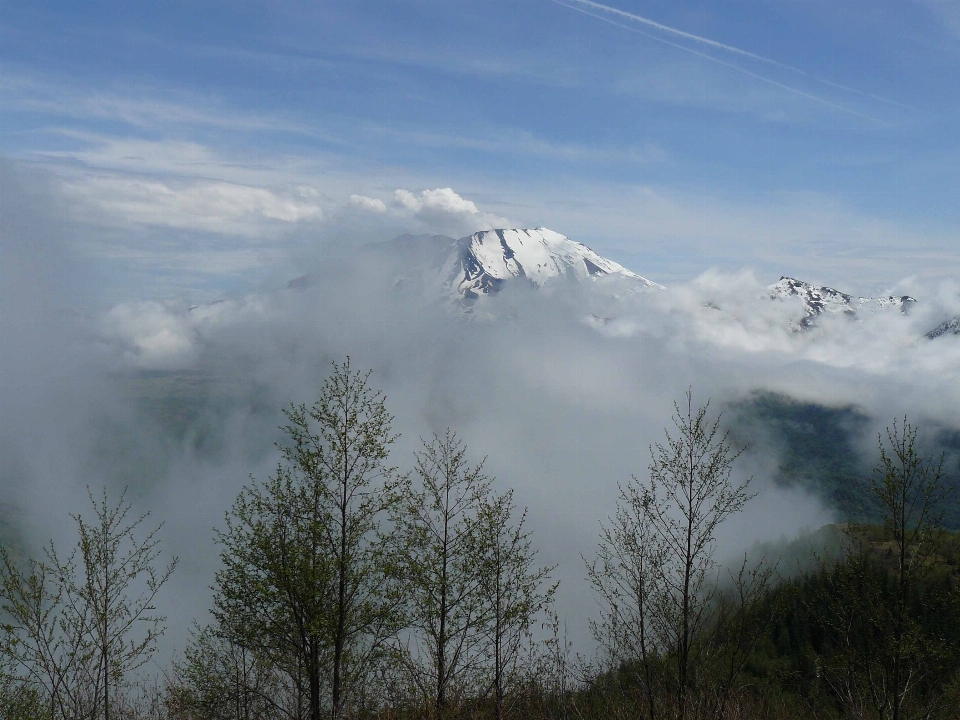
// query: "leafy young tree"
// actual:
[[76, 632], [658, 581], [689, 495], [19, 700], [115, 563], [220, 680], [305, 575], [911, 490], [624, 575], [437, 528], [882, 661], [274, 593], [514, 589], [45, 646]]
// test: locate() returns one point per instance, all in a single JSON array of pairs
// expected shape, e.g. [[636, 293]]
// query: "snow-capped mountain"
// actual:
[[485, 260], [950, 327], [818, 299], [481, 264]]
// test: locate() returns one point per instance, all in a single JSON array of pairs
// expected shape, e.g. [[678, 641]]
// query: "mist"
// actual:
[[562, 389]]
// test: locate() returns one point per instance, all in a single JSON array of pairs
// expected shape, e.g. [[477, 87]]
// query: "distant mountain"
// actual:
[[483, 263], [438, 267], [819, 299], [950, 327]]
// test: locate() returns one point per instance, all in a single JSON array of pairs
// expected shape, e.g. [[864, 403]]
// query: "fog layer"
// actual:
[[562, 388]]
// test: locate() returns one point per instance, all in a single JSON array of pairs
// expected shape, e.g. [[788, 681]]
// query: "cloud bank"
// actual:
[[563, 389]]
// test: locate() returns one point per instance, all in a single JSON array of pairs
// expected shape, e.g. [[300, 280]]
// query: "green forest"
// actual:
[[352, 588]]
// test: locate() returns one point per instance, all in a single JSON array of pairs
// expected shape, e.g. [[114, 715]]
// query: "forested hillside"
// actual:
[[821, 449]]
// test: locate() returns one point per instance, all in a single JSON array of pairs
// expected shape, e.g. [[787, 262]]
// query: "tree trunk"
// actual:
[[106, 619], [342, 588], [644, 656], [314, 670], [498, 671], [339, 639], [684, 656]]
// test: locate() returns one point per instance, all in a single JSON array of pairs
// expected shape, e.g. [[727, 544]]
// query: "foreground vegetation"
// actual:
[[348, 589]]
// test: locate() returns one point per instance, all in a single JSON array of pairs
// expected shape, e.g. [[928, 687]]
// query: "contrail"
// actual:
[[715, 44], [788, 88], [674, 31]]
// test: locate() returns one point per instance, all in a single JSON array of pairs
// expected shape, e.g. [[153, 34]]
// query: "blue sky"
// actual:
[[203, 148]]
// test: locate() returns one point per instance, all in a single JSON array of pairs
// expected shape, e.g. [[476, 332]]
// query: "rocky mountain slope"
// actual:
[[481, 263], [950, 327], [819, 299]]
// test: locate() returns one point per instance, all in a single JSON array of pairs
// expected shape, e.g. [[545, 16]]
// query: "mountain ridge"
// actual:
[[820, 299], [476, 266]]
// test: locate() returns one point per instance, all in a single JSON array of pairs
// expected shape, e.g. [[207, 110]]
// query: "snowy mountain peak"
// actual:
[[949, 327], [487, 259], [818, 299]]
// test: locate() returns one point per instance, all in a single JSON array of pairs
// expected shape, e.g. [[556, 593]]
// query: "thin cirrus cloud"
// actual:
[[79, 114], [175, 160], [181, 157], [673, 31], [946, 12], [511, 141], [138, 107]]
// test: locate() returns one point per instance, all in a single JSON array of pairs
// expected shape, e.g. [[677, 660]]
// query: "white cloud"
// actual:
[[440, 206], [366, 203], [565, 413], [443, 200], [150, 335], [219, 207], [436, 210]]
